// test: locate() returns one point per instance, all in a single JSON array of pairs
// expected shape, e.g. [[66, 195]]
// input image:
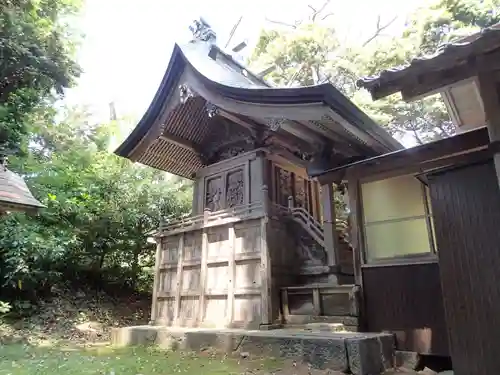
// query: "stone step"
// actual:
[[328, 327], [349, 352]]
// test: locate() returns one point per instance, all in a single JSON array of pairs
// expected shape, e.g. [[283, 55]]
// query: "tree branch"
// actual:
[[317, 12], [379, 30], [281, 23]]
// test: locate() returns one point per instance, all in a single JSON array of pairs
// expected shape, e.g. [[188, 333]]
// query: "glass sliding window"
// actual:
[[396, 218]]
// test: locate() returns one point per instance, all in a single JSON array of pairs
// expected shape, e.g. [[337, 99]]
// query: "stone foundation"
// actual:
[[358, 353]]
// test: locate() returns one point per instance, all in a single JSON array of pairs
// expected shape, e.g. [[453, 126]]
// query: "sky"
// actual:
[[127, 43]]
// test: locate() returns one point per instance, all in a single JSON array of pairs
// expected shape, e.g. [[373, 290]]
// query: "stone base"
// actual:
[[359, 353]]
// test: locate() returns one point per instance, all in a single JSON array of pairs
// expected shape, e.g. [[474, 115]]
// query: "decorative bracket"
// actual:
[[185, 93], [212, 109], [275, 123]]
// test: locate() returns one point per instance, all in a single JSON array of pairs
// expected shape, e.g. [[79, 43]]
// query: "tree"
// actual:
[[36, 61], [101, 209], [309, 52]]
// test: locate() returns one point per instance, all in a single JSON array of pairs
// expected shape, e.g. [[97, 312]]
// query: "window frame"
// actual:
[[415, 258]]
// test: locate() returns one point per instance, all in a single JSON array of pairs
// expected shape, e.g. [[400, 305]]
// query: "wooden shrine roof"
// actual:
[[14, 193], [456, 59], [204, 92]]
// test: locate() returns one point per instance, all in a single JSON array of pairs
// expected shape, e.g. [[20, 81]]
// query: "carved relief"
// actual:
[[301, 193], [275, 123], [284, 180], [230, 152], [185, 93], [235, 189], [213, 194], [212, 109]]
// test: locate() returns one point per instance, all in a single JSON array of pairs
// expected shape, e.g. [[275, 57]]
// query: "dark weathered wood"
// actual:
[[330, 225], [154, 304], [466, 208], [180, 262], [431, 82], [490, 94], [417, 156], [407, 300]]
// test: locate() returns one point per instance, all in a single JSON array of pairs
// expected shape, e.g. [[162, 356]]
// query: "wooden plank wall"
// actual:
[[407, 300], [211, 277], [466, 208]]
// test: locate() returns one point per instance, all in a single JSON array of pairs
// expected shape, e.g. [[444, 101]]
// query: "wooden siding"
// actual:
[[466, 207], [407, 300], [210, 277]]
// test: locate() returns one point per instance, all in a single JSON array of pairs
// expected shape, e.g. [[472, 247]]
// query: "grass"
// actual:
[[17, 359]]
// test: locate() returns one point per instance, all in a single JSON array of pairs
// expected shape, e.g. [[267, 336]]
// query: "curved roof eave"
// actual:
[[325, 93], [174, 69]]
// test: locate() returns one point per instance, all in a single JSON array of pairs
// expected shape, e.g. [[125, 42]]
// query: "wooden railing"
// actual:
[[309, 223], [250, 211], [209, 218]]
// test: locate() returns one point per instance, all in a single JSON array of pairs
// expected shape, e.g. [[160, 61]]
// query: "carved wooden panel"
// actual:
[[232, 151], [284, 186], [235, 188], [170, 250], [213, 194], [192, 245], [190, 278], [247, 237], [301, 192], [218, 243]]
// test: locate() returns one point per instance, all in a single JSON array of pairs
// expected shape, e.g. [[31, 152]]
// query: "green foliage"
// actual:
[[310, 53], [101, 209], [36, 49], [448, 20], [4, 307]]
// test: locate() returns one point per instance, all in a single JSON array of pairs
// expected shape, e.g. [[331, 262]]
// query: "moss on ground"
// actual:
[[19, 359]]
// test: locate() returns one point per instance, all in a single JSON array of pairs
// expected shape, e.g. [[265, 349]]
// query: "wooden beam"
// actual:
[[475, 139], [330, 227], [181, 142], [432, 83], [431, 77]]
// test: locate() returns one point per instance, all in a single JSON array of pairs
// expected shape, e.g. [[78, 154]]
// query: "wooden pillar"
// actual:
[[232, 276], [330, 226], [265, 266], [203, 271], [489, 89], [156, 282], [178, 294]]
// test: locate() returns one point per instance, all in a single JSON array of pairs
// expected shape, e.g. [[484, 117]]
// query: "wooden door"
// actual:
[[466, 208]]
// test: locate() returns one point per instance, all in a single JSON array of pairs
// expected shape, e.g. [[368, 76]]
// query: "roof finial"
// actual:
[[202, 31]]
